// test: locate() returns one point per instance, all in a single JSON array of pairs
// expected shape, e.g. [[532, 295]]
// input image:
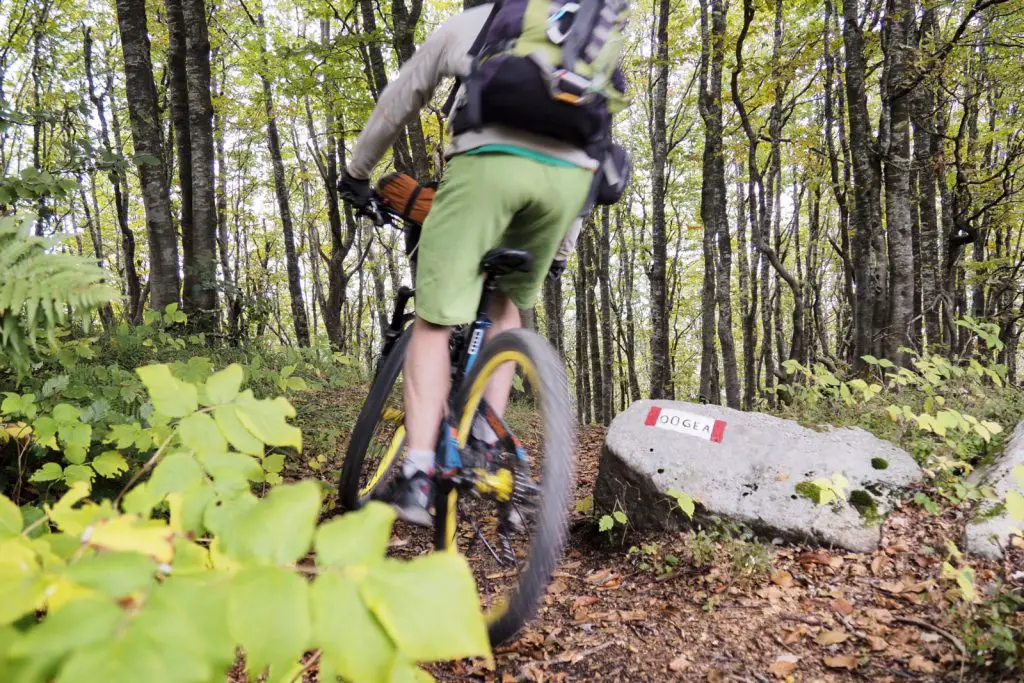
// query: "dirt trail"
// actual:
[[812, 613], [737, 611]]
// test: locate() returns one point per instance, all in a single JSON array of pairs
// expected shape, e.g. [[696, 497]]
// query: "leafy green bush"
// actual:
[[951, 415], [163, 581]]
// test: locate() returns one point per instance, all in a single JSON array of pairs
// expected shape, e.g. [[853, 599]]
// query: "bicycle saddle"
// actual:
[[504, 261]]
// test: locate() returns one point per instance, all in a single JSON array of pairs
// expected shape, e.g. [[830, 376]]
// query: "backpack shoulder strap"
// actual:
[[474, 50], [579, 33]]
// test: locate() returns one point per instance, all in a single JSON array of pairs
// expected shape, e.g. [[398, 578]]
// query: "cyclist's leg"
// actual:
[[473, 206], [426, 386]]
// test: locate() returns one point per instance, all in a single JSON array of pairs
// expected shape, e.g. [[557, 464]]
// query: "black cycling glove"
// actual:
[[354, 191]]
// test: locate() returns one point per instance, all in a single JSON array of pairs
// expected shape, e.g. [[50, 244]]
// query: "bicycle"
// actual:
[[469, 478]]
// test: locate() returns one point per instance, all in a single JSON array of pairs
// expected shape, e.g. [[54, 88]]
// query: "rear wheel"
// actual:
[[375, 446], [513, 568]]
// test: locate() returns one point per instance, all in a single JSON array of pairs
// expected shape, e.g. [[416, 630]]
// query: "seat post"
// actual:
[[490, 286]]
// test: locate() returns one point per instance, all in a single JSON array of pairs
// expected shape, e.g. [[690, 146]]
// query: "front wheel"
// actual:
[[375, 446], [513, 569]]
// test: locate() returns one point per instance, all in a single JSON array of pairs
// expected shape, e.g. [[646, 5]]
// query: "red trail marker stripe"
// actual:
[[718, 431], [652, 416]]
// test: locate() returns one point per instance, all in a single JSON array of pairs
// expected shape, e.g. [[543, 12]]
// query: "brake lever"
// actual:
[[373, 212]]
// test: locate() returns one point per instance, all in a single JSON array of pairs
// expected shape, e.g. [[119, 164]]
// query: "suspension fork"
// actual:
[[398, 319]]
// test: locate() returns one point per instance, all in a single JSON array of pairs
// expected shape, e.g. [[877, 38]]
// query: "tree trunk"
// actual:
[[404, 19], [146, 134], [376, 72], [871, 289], [119, 182], [627, 286], [596, 372], [553, 328], [298, 304], [204, 197], [714, 198], [661, 364], [604, 276], [899, 22], [582, 385], [177, 91]]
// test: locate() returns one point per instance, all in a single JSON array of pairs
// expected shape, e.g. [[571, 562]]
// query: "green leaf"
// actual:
[[51, 471], [220, 516], [586, 505], [605, 523], [620, 517], [237, 467], [351, 638], [77, 438], [266, 420], [75, 473], [199, 433], [1015, 505], [115, 574], [406, 597], [11, 521], [65, 412], [685, 501], [176, 472], [405, 671], [357, 538], [109, 464], [274, 463], [170, 396], [235, 432], [279, 529], [222, 387], [78, 625], [268, 616], [128, 435], [870, 360], [141, 500]]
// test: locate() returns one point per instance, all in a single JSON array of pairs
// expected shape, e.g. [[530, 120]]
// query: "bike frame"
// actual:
[[449, 459]]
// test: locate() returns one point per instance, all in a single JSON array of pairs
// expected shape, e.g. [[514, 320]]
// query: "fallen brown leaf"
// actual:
[[582, 601], [633, 615], [841, 662], [921, 665], [833, 637], [784, 665], [679, 664], [782, 477], [878, 564], [556, 587], [877, 643], [894, 587], [782, 578], [814, 557], [842, 606]]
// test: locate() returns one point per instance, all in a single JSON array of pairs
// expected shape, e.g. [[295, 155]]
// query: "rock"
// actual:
[[746, 467], [990, 529]]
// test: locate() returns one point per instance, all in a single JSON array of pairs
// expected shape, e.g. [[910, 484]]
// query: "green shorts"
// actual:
[[487, 201]]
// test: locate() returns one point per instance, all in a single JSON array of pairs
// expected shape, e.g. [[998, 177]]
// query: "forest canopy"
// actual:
[[813, 182]]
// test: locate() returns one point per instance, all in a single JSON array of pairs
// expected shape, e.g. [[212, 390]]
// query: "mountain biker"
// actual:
[[503, 186]]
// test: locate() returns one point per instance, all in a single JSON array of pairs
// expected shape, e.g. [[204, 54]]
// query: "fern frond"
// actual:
[[38, 286]]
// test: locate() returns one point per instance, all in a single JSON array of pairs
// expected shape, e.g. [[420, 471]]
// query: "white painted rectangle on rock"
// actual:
[[686, 423]]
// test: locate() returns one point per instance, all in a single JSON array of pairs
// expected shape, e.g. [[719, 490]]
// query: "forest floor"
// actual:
[[715, 608]]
